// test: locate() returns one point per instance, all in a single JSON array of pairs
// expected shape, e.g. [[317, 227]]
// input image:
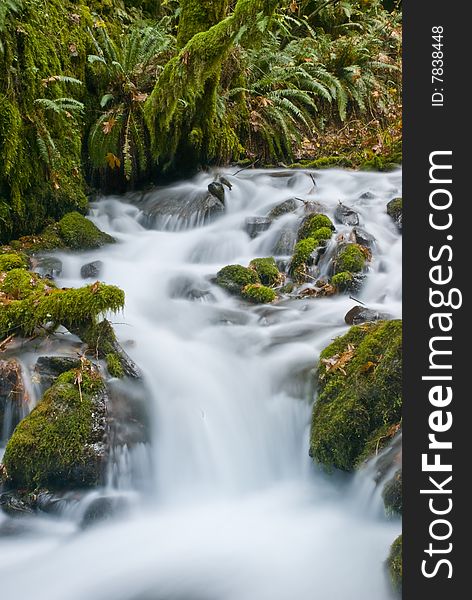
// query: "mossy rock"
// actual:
[[78, 233], [343, 282], [395, 211], [234, 278], [360, 391], [302, 258], [61, 444], [392, 495], [395, 564], [312, 224], [267, 270], [351, 259], [258, 294], [114, 365], [12, 261], [19, 284]]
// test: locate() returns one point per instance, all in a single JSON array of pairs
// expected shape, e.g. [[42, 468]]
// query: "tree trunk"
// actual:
[[197, 16]]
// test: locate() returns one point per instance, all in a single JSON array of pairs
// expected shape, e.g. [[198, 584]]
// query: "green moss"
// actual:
[[359, 394], [19, 284], [395, 564], [312, 225], [258, 294], [12, 261], [267, 270], [395, 209], [392, 494], [78, 233], [351, 259], [301, 258], [114, 365], [58, 445], [67, 307], [342, 281], [234, 278]]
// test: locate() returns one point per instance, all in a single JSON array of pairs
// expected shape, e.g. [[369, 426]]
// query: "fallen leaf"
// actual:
[[107, 126], [113, 161]]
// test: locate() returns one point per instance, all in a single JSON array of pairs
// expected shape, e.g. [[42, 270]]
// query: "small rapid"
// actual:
[[222, 502]]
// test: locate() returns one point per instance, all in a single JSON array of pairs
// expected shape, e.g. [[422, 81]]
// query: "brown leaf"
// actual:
[[139, 96], [339, 361], [113, 161], [294, 6], [107, 126]]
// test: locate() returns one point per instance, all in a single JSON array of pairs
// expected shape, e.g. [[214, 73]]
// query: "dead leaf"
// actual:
[[139, 96], [294, 6], [107, 126], [339, 361], [113, 161]]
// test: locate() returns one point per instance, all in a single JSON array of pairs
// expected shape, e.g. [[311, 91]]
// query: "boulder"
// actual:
[[346, 215], [395, 212], [91, 270], [288, 206], [395, 565], [49, 267], [48, 368], [361, 314], [257, 225], [362, 237], [217, 190]]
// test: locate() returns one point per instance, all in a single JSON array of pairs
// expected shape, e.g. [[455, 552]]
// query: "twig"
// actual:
[[246, 168], [357, 300]]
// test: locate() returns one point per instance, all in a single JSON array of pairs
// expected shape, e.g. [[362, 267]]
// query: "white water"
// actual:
[[230, 506]]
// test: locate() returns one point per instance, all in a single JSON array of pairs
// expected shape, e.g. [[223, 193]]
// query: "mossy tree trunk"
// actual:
[[181, 111]]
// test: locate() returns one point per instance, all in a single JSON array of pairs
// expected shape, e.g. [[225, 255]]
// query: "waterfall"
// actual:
[[223, 501]]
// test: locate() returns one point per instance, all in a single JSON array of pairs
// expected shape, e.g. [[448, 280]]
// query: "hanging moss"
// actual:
[[360, 390], [258, 294], [61, 444], [267, 270], [395, 564], [114, 365]]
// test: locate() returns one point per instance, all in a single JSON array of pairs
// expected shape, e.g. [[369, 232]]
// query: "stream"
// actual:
[[222, 502]]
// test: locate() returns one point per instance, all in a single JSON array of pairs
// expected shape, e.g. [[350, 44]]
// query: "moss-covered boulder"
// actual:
[[9, 261], [395, 211], [62, 442], [395, 564], [312, 224], [234, 278], [258, 294], [351, 259], [303, 257], [360, 393], [78, 233], [343, 282], [392, 494], [267, 270]]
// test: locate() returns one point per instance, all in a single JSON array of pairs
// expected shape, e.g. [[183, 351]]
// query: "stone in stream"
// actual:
[[395, 212], [48, 267], [285, 243], [346, 215], [91, 270], [363, 237], [285, 207], [217, 190], [13, 396], [48, 368], [103, 509], [257, 225], [361, 314]]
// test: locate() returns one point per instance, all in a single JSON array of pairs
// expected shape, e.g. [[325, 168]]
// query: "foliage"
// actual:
[[234, 278], [360, 390], [395, 564], [314, 232], [258, 294], [267, 270], [350, 259], [78, 233], [392, 494]]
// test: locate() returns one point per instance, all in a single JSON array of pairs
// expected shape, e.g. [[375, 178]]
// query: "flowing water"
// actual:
[[224, 503]]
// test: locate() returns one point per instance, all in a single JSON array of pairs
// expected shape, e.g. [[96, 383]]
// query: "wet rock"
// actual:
[[361, 314], [367, 196], [48, 267], [313, 207], [346, 215], [48, 368], [102, 509], [91, 270], [392, 494], [285, 243], [128, 413], [363, 237], [14, 505], [288, 206], [395, 564], [217, 190], [188, 288], [13, 396], [257, 225], [225, 182], [395, 211]]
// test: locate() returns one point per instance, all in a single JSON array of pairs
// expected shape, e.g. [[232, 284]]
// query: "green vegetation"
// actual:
[[267, 270], [9, 261], [114, 365], [258, 294], [392, 494], [395, 564], [350, 259], [234, 278], [314, 232], [78, 233], [111, 94], [316, 226], [360, 391], [61, 444], [342, 281]]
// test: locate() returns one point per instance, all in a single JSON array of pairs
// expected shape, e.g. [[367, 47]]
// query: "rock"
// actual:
[[225, 182], [234, 278], [258, 294], [306, 254], [346, 215], [288, 206], [316, 226], [257, 225], [267, 270], [392, 494], [62, 443], [13, 397], [48, 267], [78, 233], [217, 190], [91, 270], [102, 509], [395, 565], [360, 394], [362, 237], [313, 207], [285, 243], [189, 288], [361, 314], [48, 368], [395, 211], [350, 258], [14, 505], [128, 413], [367, 196]]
